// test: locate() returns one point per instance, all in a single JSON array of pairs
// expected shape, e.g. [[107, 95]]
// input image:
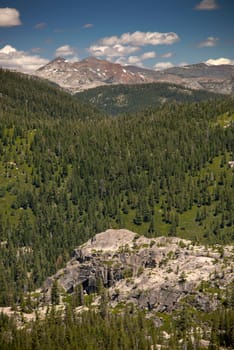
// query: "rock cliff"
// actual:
[[151, 273]]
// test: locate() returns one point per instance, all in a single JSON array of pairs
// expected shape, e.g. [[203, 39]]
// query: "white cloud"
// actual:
[[88, 25], [148, 55], [121, 60], [112, 51], [163, 65], [40, 26], [9, 17], [207, 5], [65, 50], [19, 60], [73, 59], [129, 43], [8, 49], [167, 55], [136, 60], [209, 42], [219, 61], [141, 39]]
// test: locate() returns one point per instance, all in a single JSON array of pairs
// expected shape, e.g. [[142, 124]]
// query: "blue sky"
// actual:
[[149, 33]]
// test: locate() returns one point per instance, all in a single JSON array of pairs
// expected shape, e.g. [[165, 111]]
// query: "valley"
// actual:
[[144, 196]]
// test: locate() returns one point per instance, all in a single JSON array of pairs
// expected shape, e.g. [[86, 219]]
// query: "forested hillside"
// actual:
[[68, 172], [65, 178], [118, 99], [26, 97], [111, 331]]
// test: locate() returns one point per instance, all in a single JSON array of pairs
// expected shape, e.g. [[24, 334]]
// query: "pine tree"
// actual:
[[55, 293]]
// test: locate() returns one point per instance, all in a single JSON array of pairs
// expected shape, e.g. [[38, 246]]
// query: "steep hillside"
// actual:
[[67, 173], [62, 180], [167, 292], [117, 99], [31, 98]]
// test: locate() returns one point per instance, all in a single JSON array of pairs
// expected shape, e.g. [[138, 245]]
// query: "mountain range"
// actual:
[[92, 72]]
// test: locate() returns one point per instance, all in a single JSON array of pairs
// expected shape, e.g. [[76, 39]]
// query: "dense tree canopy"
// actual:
[[116, 99], [68, 172]]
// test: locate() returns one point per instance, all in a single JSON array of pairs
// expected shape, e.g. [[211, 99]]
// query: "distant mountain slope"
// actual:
[[132, 98], [33, 97], [92, 72], [89, 73]]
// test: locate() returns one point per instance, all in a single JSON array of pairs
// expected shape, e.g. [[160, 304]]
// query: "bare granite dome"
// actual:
[[110, 240], [151, 273]]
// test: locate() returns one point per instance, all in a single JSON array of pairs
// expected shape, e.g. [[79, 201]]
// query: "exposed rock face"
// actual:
[[89, 73], [151, 273], [92, 72]]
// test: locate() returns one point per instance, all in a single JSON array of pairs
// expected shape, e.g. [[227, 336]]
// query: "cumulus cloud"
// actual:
[[167, 55], [219, 61], [9, 17], [88, 25], [139, 59], [121, 60], [207, 5], [148, 55], [65, 50], [131, 60], [163, 65], [209, 42], [19, 60], [40, 26], [129, 43], [112, 51], [141, 39], [136, 60]]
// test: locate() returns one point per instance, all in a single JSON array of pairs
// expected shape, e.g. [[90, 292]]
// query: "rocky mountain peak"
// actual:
[[92, 60], [88, 73], [57, 61]]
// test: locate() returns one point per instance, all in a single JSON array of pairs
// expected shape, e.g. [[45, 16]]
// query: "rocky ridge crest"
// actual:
[[88, 73], [92, 72]]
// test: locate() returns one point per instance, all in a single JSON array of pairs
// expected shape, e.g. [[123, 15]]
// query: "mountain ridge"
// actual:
[[92, 72], [118, 99]]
